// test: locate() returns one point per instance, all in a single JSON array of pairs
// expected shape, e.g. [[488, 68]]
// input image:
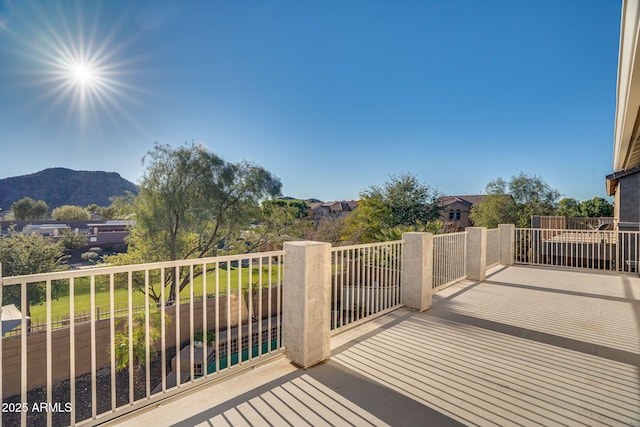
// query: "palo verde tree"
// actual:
[[401, 201], [192, 204]]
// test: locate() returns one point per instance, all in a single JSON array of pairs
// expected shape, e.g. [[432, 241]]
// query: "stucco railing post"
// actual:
[[417, 270], [476, 253], [306, 302], [507, 238]]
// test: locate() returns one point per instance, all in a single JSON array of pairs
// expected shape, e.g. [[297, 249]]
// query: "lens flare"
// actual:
[[79, 64]]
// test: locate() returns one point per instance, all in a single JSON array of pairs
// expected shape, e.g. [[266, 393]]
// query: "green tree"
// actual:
[[531, 194], [596, 207], [278, 222], [122, 207], [71, 240], [22, 208], [70, 212], [191, 204], [401, 201], [28, 209], [494, 209], [299, 208], [569, 207], [499, 186], [40, 210], [22, 254]]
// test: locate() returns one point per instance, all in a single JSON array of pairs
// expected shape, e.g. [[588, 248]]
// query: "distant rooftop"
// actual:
[[467, 200]]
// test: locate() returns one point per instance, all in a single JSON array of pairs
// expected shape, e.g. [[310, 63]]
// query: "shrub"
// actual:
[[198, 336], [89, 256]]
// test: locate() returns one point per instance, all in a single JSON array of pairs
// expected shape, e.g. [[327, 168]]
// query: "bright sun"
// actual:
[[79, 66], [82, 73]]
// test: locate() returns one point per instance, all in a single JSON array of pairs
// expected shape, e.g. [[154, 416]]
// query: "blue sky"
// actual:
[[330, 96]]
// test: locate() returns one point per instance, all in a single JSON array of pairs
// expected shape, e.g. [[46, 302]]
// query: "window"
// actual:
[[451, 214], [457, 214]]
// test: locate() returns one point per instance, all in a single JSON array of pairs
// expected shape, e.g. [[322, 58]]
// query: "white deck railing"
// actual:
[[449, 259], [365, 281], [588, 249], [493, 247], [40, 324], [242, 310]]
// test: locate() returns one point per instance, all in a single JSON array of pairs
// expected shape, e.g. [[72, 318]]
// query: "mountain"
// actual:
[[60, 186]]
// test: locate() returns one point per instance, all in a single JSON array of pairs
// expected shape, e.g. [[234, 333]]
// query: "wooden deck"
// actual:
[[528, 346]]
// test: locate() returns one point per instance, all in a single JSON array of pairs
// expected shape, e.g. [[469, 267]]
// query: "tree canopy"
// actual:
[[299, 208], [531, 195], [28, 209], [193, 204], [494, 209], [22, 254], [596, 207], [569, 207], [401, 201], [71, 240], [121, 207], [69, 213]]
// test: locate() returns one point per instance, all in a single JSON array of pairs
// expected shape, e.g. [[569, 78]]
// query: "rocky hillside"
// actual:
[[59, 186]]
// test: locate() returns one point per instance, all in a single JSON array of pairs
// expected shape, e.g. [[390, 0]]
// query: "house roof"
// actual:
[[614, 178], [112, 223], [342, 205], [465, 200], [44, 227]]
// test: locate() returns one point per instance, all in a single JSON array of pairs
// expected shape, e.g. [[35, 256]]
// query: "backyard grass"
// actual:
[[228, 280]]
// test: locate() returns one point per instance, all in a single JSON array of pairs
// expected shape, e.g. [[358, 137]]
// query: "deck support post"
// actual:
[[306, 302], [507, 238], [476, 253], [417, 270]]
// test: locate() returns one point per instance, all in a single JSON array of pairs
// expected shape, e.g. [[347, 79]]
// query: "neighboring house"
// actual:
[[46, 230], [98, 232], [456, 210], [338, 209], [19, 226], [109, 232]]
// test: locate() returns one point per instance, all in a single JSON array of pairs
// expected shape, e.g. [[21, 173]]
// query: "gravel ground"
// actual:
[[37, 416]]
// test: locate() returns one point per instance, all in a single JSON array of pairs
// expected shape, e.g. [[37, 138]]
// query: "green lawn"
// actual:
[[60, 307]]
